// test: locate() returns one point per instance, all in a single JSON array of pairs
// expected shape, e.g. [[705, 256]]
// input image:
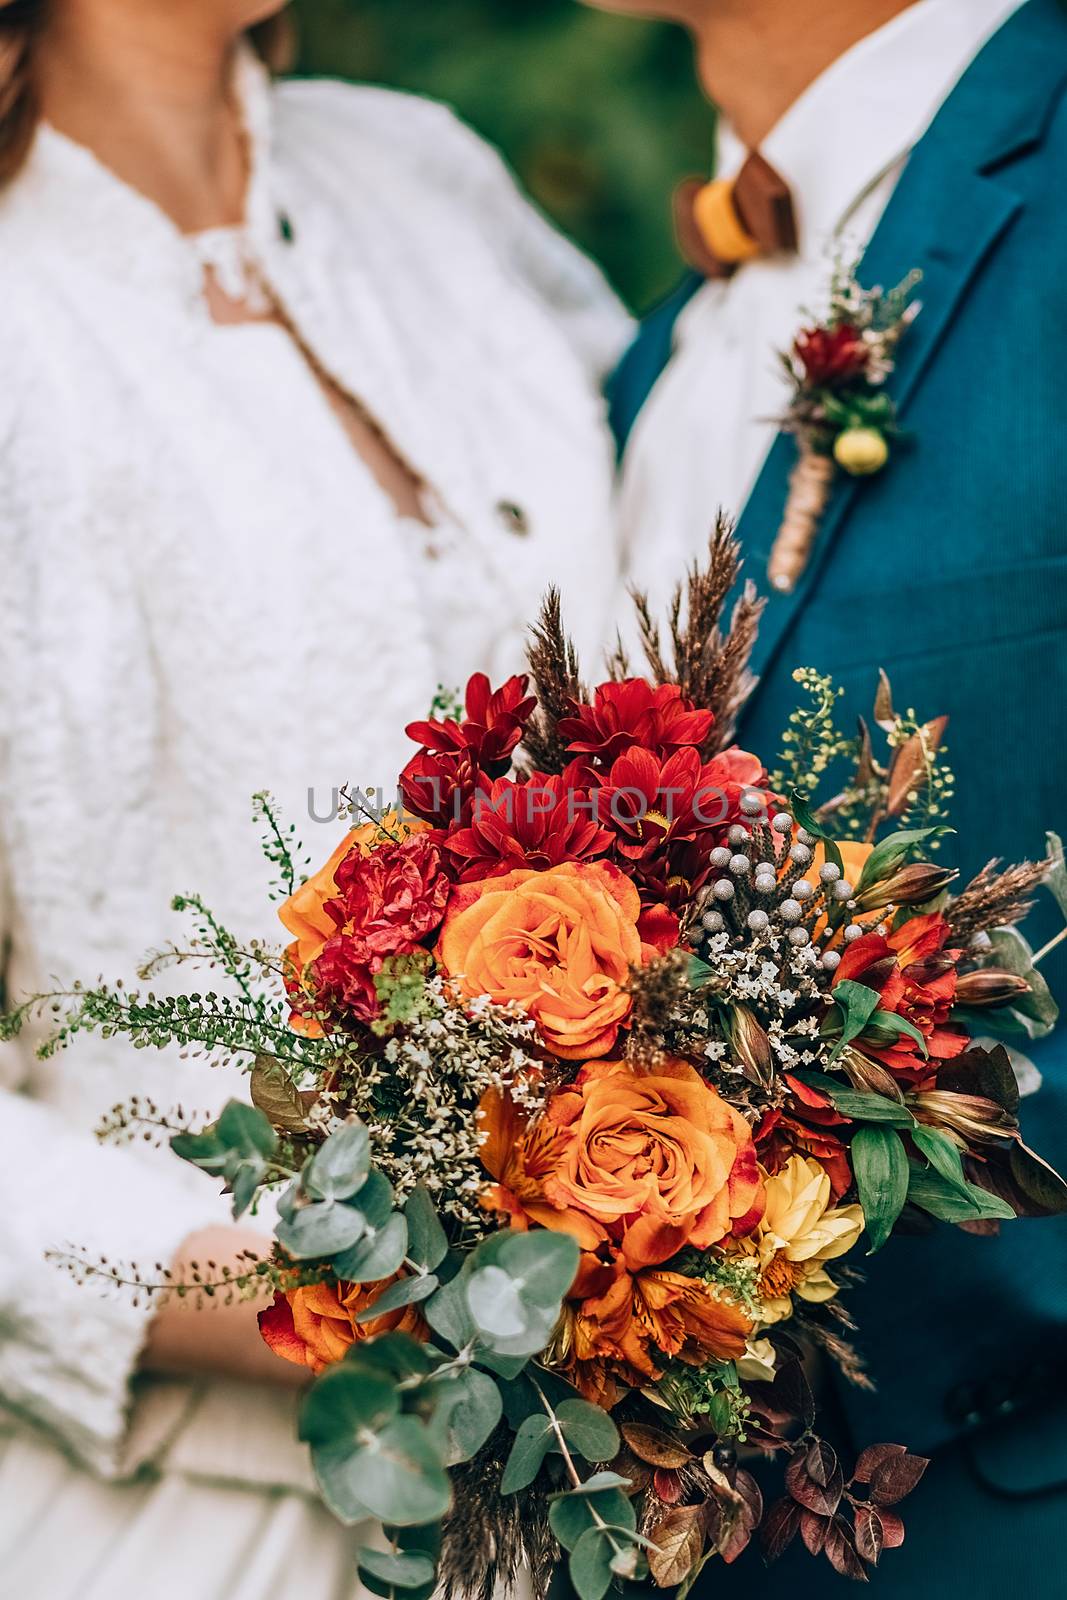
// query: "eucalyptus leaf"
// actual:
[[589, 1430], [542, 1264], [406, 1292], [341, 1166], [590, 1565], [448, 1314], [397, 1475], [428, 1243], [496, 1304], [535, 1439], [375, 1199], [572, 1514], [345, 1402], [399, 1570], [468, 1408], [1056, 880], [377, 1255], [245, 1130], [322, 1228]]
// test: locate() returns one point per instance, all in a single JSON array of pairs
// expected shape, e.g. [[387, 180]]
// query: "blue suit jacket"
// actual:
[[950, 570]]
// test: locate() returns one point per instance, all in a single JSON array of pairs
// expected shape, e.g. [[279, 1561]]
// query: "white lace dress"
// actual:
[[204, 593]]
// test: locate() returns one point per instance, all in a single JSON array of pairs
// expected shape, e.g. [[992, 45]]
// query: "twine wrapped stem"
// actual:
[[809, 490]]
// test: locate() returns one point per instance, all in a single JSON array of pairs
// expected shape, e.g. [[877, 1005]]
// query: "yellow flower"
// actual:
[[799, 1232]]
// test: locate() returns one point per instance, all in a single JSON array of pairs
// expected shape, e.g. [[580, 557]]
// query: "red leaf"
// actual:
[[869, 1535], [841, 1552], [896, 1477], [822, 1498], [779, 1528], [748, 1521], [892, 1529], [668, 1486], [872, 1457], [821, 1462], [813, 1531]]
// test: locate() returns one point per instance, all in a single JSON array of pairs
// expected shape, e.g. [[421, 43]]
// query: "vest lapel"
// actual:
[[947, 214]]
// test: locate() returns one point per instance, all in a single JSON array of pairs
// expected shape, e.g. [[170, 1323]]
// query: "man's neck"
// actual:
[[154, 105], [755, 57]]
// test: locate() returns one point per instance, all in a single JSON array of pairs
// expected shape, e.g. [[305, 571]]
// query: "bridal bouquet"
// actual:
[[593, 1066]]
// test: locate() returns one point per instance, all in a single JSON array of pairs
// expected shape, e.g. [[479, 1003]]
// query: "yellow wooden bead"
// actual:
[[861, 451]]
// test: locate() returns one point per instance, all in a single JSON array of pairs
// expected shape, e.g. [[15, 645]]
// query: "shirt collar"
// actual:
[[862, 116], [69, 200]]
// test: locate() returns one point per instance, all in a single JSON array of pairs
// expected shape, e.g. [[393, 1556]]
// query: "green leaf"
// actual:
[[1036, 1013], [588, 1429], [571, 1515], [943, 1156], [880, 1165], [534, 1440], [496, 1304], [408, 1292], [392, 1355], [698, 972], [399, 1571], [397, 1475], [857, 1004], [805, 819], [345, 1402], [375, 1199], [204, 1150], [468, 1408], [891, 852], [246, 1131], [885, 1026], [871, 1108], [449, 1314], [340, 1166], [929, 1191], [1056, 881], [378, 1255], [590, 1565], [542, 1264], [428, 1244], [321, 1229]]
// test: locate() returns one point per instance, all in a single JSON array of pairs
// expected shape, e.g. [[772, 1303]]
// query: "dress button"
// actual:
[[513, 517]]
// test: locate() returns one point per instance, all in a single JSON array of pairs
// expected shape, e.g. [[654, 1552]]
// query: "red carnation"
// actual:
[[831, 356], [916, 979], [634, 712], [389, 903], [536, 824]]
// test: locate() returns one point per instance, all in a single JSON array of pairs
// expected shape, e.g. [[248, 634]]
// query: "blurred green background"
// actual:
[[599, 115]]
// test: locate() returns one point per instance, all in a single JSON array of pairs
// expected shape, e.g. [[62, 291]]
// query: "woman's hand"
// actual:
[[189, 1336]]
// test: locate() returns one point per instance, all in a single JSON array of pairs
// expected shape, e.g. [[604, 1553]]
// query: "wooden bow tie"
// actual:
[[730, 220]]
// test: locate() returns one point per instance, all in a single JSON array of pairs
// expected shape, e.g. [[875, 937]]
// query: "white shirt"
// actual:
[[204, 593], [702, 437]]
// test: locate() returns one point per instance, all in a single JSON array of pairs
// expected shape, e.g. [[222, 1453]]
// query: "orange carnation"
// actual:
[[315, 1326], [558, 943]]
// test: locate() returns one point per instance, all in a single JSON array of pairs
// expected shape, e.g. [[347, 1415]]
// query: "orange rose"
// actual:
[[558, 943], [315, 1326]]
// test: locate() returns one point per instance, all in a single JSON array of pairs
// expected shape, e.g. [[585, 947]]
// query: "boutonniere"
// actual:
[[840, 413]]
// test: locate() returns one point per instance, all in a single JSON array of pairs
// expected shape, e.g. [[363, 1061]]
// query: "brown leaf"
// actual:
[[896, 1477], [840, 1551], [655, 1445], [884, 714], [679, 1541], [869, 1535], [988, 1073], [747, 1520], [813, 1531], [870, 1077], [872, 1458], [908, 771], [668, 1485], [779, 1528], [822, 1498], [892, 1529], [821, 1462], [1044, 1190], [277, 1096]]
